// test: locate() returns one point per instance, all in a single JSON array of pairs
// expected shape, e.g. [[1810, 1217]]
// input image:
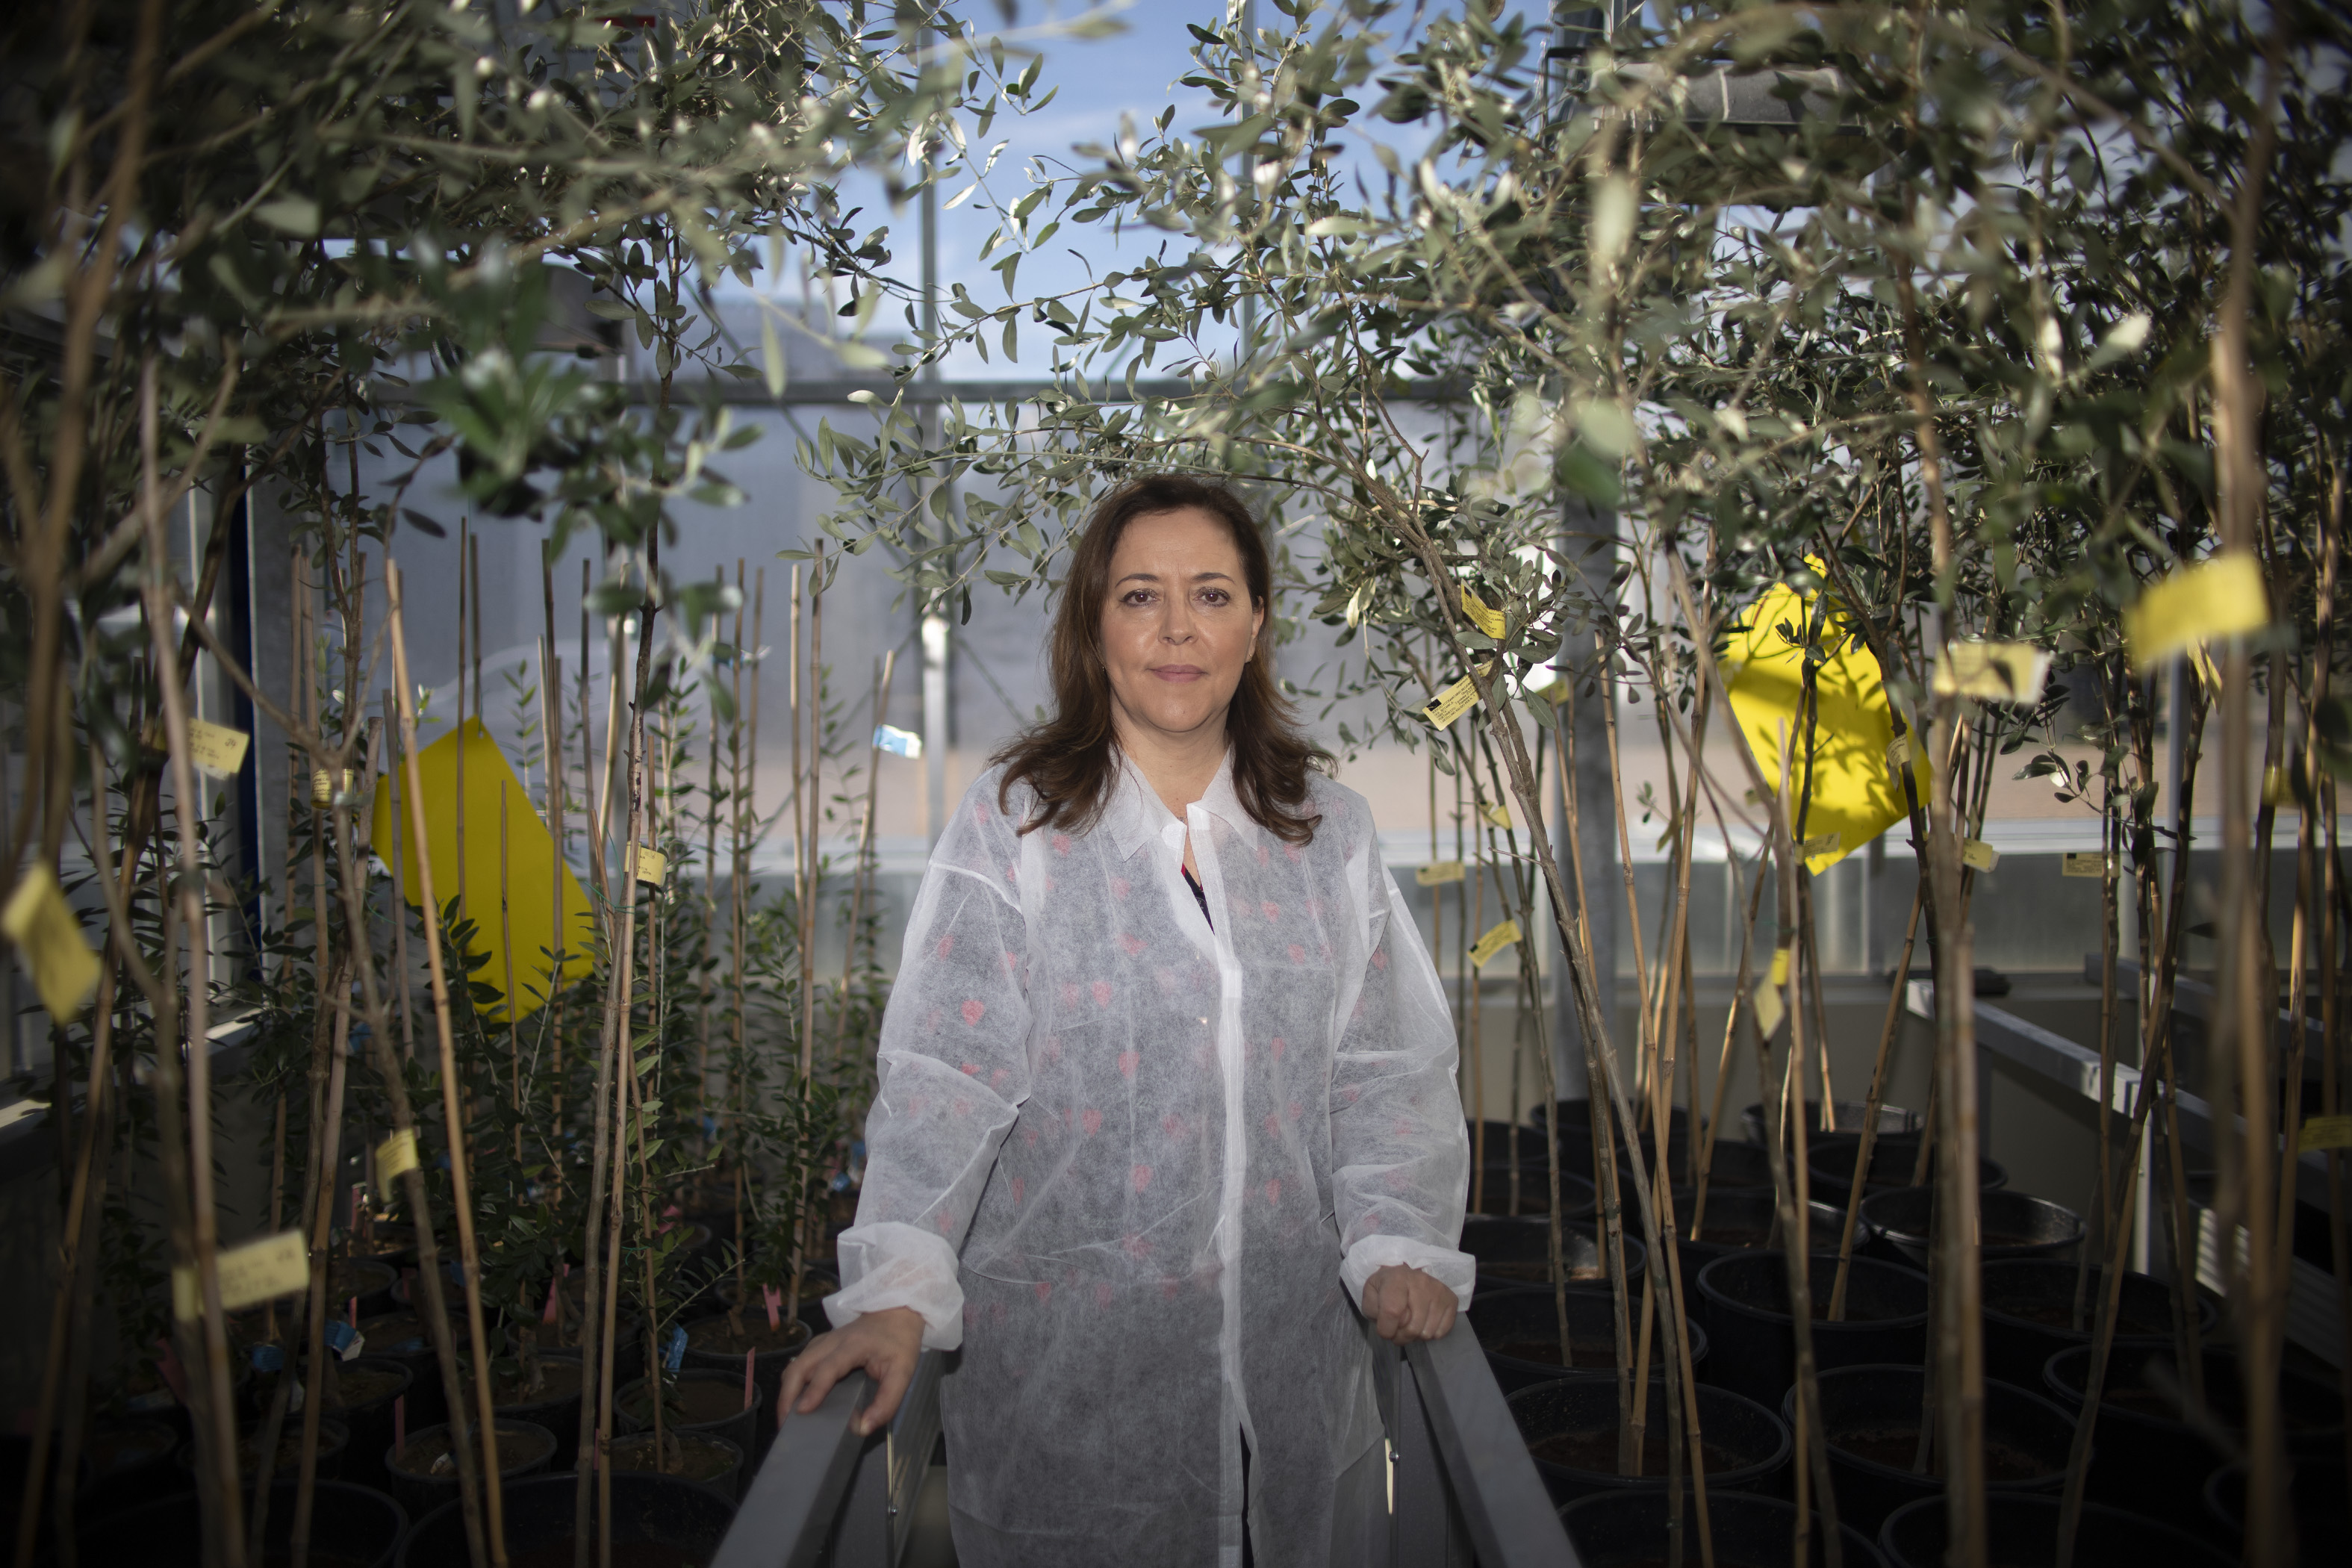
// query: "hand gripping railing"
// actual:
[[1463, 1489]]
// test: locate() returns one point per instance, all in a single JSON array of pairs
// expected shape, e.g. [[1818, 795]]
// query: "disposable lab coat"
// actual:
[[1139, 1168]]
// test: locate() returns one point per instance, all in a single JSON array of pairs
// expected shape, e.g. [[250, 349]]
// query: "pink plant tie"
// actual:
[[750, 1359], [399, 1423], [775, 1299]]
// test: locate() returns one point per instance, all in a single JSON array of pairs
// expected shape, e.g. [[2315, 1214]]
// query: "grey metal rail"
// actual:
[[1463, 1489]]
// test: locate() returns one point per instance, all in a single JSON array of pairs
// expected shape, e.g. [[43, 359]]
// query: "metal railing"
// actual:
[[1463, 1489]]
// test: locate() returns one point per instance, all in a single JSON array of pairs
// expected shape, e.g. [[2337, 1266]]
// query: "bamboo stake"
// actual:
[[514, 1003], [215, 1411], [864, 846], [326, 1138], [1869, 1135], [465, 538], [739, 868], [452, 1111], [391, 780]]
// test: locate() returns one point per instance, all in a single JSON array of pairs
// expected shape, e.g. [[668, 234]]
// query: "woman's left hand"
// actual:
[[1405, 1305]]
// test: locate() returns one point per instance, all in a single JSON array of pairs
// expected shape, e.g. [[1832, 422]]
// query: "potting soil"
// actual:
[[366, 1385], [625, 1555], [699, 1459], [428, 1456], [714, 1335], [2061, 1315], [559, 1380], [1596, 1451], [1897, 1448], [697, 1403], [1540, 1272]]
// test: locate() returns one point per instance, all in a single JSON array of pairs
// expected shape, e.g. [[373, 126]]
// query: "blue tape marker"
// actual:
[[897, 741], [268, 1358], [674, 1350]]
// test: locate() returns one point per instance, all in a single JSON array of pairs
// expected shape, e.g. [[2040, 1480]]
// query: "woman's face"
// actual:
[[1177, 626]]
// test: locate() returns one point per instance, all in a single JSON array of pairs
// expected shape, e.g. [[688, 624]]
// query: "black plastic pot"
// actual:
[[1871, 1414], [2022, 1533], [766, 1370], [365, 1278], [739, 1424], [525, 1449], [350, 1525], [1570, 1427], [127, 1462], [1576, 1140], [1500, 1136], [2028, 1303], [1830, 1156], [399, 1336], [2149, 1459], [1519, 1330], [635, 1453], [1742, 1220], [558, 1411], [370, 1416], [1519, 1251], [1576, 1196], [2011, 1224], [2316, 1498], [334, 1438], [1628, 1530], [1753, 1334], [659, 1510], [1891, 1118], [1734, 1167]]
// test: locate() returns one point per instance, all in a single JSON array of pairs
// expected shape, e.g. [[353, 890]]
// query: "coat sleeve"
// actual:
[[953, 1072], [1400, 1152]]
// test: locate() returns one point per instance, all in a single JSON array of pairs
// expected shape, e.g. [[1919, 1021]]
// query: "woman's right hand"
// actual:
[[885, 1345]]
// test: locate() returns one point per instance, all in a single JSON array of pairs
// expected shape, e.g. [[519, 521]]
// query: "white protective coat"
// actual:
[[1168, 1158]]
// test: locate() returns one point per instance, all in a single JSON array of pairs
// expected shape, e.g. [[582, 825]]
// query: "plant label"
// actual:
[[2218, 598], [322, 787], [1821, 844], [2082, 864], [1978, 856], [2327, 1132], [216, 748], [396, 1155], [1483, 616], [1452, 703], [1769, 1010], [1494, 942], [42, 925], [258, 1271], [1500, 815], [1780, 967], [651, 865], [1443, 872], [1993, 671]]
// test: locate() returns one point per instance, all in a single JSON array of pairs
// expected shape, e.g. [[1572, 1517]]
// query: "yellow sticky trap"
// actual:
[[2222, 597], [1993, 671], [1500, 815], [1978, 856], [1483, 616], [1853, 796], [396, 1155], [42, 925], [1442, 871], [1821, 843], [2326, 1133], [1779, 967], [2082, 864], [1769, 1010], [1493, 942], [531, 873], [1452, 703], [651, 865], [216, 748], [258, 1271]]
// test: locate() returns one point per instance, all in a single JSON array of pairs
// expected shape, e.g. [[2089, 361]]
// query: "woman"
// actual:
[[1167, 1093]]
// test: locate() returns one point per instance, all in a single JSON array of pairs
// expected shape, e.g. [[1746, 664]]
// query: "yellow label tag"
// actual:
[[1820, 844], [1993, 671], [1769, 1010], [1483, 616], [396, 1155], [1452, 703], [2278, 787], [1898, 752], [1500, 815], [1442, 871], [2222, 597], [2082, 864], [1779, 967], [273, 1266], [41, 923], [2326, 1133], [1978, 856], [323, 788], [652, 865], [1493, 942], [216, 748]]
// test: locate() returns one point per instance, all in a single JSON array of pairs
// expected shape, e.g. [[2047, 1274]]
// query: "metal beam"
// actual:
[[1510, 1516]]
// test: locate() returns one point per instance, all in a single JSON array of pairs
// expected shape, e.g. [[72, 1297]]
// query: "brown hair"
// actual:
[[1071, 759]]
